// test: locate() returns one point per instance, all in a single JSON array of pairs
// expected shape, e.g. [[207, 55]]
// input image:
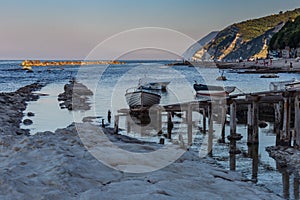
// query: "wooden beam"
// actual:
[[297, 120], [285, 139], [250, 124], [255, 136], [210, 131], [233, 118], [116, 128], [189, 114]]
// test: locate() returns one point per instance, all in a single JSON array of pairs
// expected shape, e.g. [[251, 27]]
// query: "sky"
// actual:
[[71, 29]]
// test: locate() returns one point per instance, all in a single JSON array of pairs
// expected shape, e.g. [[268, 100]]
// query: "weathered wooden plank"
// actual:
[[255, 136], [233, 118], [297, 120], [250, 124]]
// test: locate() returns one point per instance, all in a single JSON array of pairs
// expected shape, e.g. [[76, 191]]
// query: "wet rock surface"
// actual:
[[56, 165], [286, 157], [75, 96], [12, 106]]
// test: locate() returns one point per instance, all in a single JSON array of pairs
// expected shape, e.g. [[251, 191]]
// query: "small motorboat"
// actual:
[[269, 76], [137, 98], [285, 85], [211, 90], [293, 86], [153, 85]]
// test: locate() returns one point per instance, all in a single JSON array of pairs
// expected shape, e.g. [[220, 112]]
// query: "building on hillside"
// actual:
[[285, 53], [298, 52]]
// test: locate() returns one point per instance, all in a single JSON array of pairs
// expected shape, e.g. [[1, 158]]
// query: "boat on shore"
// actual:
[[137, 98], [212, 90]]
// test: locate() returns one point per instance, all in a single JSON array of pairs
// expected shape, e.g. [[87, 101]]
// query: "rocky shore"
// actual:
[[12, 106], [56, 165]]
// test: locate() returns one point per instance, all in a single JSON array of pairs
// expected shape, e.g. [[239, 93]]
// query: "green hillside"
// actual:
[[247, 39], [251, 29], [289, 35]]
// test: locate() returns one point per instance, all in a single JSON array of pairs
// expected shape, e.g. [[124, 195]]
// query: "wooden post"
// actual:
[[109, 116], [255, 138], [285, 138], [232, 161], [286, 184], [296, 188], [297, 121], [250, 124], [233, 118], [278, 120], [223, 123], [128, 124], [170, 126], [255, 162], [210, 131], [159, 121], [204, 121], [189, 116], [116, 128]]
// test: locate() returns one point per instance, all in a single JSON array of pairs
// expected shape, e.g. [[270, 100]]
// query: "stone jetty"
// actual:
[[29, 63]]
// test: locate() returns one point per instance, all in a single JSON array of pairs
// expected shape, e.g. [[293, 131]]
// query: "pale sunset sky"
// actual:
[[70, 29]]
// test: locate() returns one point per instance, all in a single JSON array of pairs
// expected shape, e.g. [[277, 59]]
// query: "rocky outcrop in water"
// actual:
[[75, 96], [29, 63]]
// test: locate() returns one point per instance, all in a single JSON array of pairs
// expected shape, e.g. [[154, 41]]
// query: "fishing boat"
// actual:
[[293, 86], [153, 85], [269, 76], [211, 90], [137, 98], [285, 85]]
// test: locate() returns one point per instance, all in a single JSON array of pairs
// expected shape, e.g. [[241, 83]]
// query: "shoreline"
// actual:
[[58, 164], [13, 104]]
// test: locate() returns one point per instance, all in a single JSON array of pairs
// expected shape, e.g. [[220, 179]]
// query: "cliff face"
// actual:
[[246, 39]]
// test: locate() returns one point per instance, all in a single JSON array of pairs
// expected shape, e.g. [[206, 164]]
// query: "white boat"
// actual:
[[285, 85], [138, 98], [153, 85], [293, 86], [211, 90]]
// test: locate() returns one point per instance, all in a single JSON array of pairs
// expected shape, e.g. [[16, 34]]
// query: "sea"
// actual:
[[109, 84]]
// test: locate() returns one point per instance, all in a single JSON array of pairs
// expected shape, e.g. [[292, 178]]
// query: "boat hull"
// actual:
[[206, 90], [141, 99]]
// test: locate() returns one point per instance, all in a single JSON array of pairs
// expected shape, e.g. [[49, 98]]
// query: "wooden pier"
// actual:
[[286, 114]]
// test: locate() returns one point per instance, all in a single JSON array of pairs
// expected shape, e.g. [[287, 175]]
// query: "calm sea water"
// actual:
[[109, 84]]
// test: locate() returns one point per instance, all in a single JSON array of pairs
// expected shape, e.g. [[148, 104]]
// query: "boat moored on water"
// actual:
[[212, 90], [153, 84], [293, 86], [285, 85], [137, 98]]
